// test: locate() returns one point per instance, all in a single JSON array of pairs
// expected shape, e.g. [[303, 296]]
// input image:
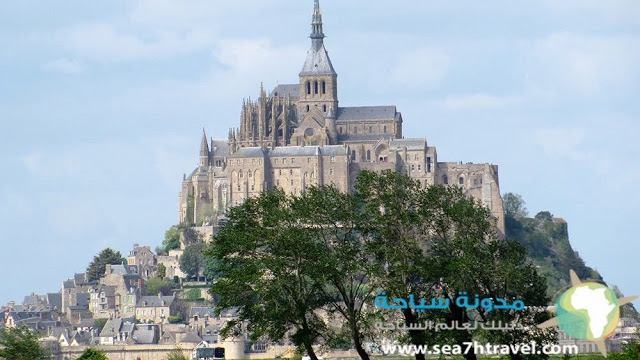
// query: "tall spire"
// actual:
[[204, 145], [316, 26]]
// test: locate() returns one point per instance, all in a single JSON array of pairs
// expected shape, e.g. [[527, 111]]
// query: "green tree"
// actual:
[[20, 344], [161, 271], [177, 354], [191, 261], [193, 294], [172, 238], [265, 272], [514, 206], [97, 267], [544, 215], [154, 286], [93, 354]]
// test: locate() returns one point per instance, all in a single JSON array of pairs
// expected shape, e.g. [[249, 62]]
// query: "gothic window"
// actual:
[[340, 129], [308, 90], [428, 164], [368, 155], [315, 85], [324, 88], [461, 180], [249, 174], [445, 180], [307, 108]]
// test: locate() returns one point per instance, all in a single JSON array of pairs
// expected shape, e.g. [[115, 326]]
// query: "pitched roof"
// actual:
[[293, 90], [202, 311], [363, 113], [155, 301], [191, 338], [318, 62], [249, 152]]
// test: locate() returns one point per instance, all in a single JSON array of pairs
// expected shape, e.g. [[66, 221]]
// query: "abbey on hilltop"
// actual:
[[297, 135]]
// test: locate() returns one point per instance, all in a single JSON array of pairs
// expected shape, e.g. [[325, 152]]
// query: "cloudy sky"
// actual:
[[102, 105]]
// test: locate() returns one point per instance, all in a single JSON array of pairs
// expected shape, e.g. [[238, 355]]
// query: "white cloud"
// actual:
[[65, 66], [105, 42], [424, 67], [563, 143], [479, 102], [586, 64]]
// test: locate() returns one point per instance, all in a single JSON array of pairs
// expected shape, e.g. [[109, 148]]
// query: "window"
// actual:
[[291, 182], [324, 108], [280, 172], [315, 85], [249, 174], [331, 172], [308, 160], [324, 88], [368, 155], [355, 129], [340, 129], [293, 160], [290, 171], [416, 157], [353, 155], [370, 130], [241, 175], [332, 159], [244, 162], [308, 91], [419, 167], [384, 129], [238, 162], [428, 164], [445, 180], [307, 108], [276, 161], [461, 180], [259, 161], [253, 188], [413, 167], [253, 161]]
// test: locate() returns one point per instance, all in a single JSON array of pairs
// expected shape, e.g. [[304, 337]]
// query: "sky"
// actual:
[[102, 105]]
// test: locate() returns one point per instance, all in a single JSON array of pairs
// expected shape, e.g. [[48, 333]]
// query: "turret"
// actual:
[[204, 150]]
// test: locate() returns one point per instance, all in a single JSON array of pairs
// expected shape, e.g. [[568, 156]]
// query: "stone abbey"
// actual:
[[297, 135]]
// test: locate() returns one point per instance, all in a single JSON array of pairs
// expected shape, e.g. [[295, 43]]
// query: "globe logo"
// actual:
[[587, 311]]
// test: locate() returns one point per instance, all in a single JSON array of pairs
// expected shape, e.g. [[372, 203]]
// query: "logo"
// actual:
[[587, 311]]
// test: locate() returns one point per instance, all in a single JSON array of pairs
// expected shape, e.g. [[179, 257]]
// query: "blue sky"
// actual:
[[102, 105]]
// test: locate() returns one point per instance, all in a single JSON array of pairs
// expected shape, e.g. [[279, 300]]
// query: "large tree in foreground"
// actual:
[[20, 344], [97, 267]]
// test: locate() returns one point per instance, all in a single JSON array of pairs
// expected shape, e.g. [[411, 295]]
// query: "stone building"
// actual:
[[298, 135]]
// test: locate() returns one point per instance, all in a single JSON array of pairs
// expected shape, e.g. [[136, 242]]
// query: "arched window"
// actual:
[[241, 175], [461, 180], [307, 108], [324, 87], [384, 129], [315, 85], [353, 154], [368, 155], [249, 174], [308, 88], [370, 129], [324, 108], [445, 180]]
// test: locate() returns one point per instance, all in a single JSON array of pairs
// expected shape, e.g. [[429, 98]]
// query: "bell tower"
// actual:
[[318, 79]]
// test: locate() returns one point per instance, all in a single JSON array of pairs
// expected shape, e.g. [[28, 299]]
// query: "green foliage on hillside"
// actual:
[[546, 240]]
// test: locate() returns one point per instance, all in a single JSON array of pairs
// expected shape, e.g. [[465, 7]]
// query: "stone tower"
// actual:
[[318, 79]]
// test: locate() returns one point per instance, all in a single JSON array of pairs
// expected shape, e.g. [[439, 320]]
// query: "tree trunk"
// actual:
[[357, 341], [415, 335]]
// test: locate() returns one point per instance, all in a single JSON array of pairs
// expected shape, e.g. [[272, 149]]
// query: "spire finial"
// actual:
[[316, 24]]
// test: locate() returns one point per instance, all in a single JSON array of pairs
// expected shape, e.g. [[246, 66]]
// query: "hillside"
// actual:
[[546, 240]]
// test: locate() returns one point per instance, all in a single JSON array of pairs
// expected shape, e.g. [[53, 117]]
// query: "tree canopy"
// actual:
[[93, 354], [97, 267], [514, 206], [284, 259], [20, 344]]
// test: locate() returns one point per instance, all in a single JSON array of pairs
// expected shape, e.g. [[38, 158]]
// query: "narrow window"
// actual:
[[353, 155], [368, 155], [308, 89], [428, 164], [413, 168], [355, 129], [315, 85], [461, 180], [370, 130], [307, 108], [324, 87], [340, 129], [384, 129], [324, 108], [445, 180]]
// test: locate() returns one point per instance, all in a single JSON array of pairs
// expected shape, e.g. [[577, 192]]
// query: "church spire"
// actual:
[[204, 150], [316, 26]]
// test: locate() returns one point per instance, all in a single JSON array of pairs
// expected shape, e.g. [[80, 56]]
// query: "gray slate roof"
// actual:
[[410, 144], [293, 151], [318, 63], [155, 301], [219, 147], [366, 113], [55, 300], [254, 152], [202, 311], [293, 90]]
